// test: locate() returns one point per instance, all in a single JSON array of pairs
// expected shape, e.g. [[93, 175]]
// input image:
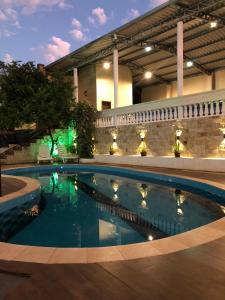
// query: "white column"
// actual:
[[180, 58], [116, 77], [75, 83]]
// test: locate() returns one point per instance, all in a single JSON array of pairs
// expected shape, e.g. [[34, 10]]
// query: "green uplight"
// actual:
[[61, 137]]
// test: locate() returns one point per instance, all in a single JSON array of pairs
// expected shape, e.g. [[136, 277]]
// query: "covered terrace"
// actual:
[[174, 50]]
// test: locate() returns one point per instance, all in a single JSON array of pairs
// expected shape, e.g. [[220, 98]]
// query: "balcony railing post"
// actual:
[[223, 107]]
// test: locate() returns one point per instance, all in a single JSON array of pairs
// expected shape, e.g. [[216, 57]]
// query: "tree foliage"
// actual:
[[53, 104], [18, 85], [84, 116], [27, 95]]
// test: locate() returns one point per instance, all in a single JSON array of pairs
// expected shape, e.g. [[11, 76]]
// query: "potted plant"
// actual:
[[143, 152], [111, 150], [178, 148]]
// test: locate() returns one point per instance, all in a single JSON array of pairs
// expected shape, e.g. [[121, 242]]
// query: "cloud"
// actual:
[[76, 23], [98, 15], [17, 24], [56, 49], [2, 16], [131, 14], [11, 16], [7, 58], [154, 3], [78, 33], [134, 13], [6, 33], [30, 6]]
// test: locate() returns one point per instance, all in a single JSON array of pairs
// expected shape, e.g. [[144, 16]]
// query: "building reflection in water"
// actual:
[[112, 217]]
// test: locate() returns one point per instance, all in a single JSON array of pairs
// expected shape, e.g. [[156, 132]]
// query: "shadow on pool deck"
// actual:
[[195, 273]]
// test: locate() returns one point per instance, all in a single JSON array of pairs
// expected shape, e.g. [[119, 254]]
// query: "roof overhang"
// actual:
[[203, 45]]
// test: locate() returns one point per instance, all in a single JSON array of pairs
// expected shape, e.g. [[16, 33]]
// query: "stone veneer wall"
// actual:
[[201, 138]]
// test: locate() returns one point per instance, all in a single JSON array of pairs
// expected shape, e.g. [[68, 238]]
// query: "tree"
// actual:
[[52, 105], [19, 84], [84, 116]]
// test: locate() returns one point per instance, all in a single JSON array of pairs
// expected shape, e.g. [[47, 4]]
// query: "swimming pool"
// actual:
[[93, 206]]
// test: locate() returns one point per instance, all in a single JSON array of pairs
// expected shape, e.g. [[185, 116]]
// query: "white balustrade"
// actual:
[[187, 107]]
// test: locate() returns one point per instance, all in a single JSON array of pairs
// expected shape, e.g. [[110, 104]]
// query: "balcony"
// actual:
[[203, 105]]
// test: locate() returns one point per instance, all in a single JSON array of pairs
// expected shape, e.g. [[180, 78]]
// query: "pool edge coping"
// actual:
[[31, 186], [183, 241]]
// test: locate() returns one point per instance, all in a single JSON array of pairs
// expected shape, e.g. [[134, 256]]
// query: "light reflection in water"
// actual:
[[180, 199], [144, 190]]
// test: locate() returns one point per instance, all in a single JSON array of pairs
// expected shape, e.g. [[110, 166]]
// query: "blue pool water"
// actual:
[[92, 209]]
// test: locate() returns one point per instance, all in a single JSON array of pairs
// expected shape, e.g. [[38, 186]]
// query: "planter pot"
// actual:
[[143, 153], [177, 154]]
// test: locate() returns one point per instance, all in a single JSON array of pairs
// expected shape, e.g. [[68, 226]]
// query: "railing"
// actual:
[[144, 220], [180, 108]]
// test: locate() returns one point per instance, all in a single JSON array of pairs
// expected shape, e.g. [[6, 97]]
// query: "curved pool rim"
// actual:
[[195, 237]]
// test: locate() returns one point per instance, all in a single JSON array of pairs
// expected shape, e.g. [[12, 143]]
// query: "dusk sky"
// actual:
[[45, 30]]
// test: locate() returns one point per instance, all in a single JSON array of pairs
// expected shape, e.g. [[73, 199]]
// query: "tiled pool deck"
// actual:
[[192, 273]]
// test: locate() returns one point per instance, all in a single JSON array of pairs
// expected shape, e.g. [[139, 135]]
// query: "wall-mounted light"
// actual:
[[178, 133], [178, 147], [114, 147], [148, 75], [148, 48], [142, 149], [106, 65], [213, 24], [189, 64], [143, 133]]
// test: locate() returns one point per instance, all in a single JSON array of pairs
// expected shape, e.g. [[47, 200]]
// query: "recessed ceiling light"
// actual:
[[148, 48], [148, 75], [189, 64], [106, 65], [213, 24]]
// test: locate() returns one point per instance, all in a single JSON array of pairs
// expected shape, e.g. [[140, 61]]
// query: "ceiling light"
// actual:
[[106, 65], [213, 24], [148, 75], [189, 64], [148, 48]]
